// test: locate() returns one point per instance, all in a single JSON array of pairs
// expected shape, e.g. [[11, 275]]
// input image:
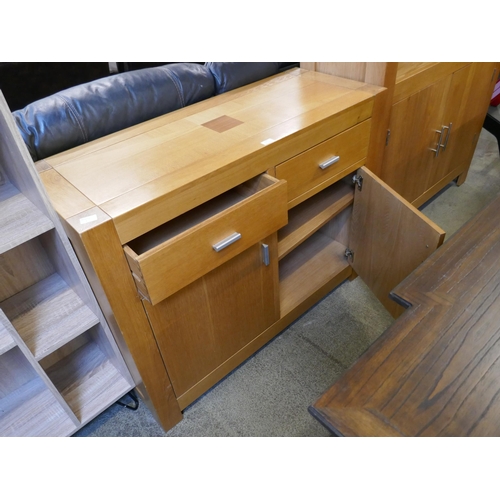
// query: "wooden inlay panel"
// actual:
[[222, 123]]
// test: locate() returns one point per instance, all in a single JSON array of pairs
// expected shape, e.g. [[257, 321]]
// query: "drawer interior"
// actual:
[[196, 216]]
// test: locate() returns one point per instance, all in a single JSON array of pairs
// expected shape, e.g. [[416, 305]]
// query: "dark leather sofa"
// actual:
[[91, 110]]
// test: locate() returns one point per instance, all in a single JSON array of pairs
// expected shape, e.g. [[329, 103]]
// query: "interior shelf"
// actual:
[[308, 268], [47, 315], [306, 218], [88, 381], [32, 410], [20, 220], [6, 341]]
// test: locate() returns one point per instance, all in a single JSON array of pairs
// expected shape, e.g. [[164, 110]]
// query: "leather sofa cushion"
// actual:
[[86, 112], [231, 75]]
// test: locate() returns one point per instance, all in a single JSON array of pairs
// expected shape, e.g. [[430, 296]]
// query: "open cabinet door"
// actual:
[[389, 238]]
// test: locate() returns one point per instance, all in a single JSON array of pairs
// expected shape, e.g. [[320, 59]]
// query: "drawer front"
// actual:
[[177, 262], [320, 166]]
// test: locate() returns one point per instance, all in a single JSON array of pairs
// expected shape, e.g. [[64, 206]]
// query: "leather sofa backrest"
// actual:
[[86, 112]]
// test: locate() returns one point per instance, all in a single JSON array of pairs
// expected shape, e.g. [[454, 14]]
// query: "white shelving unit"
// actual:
[[59, 363]]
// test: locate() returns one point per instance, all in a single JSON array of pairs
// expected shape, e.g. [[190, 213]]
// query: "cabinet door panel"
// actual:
[[208, 321], [413, 125], [389, 237], [454, 118]]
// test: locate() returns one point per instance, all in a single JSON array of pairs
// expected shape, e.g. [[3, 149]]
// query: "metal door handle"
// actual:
[[226, 242], [328, 163], [440, 132], [265, 254], [447, 135]]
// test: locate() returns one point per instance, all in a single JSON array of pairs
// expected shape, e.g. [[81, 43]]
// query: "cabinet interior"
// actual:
[[311, 247]]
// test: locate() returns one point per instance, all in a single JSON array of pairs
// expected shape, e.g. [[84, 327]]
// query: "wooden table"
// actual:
[[436, 370]]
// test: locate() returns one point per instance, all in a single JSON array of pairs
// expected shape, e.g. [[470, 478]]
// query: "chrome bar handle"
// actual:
[[328, 163], [447, 135], [265, 254], [440, 132], [226, 242]]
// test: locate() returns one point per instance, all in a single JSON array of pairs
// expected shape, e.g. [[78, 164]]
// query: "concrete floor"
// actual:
[[269, 394]]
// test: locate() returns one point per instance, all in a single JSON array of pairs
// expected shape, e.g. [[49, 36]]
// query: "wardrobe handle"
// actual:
[[440, 132], [447, 136], [327, 163], [226, 242]]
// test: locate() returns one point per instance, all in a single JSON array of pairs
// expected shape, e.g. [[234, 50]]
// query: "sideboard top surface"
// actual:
[[190, 155]]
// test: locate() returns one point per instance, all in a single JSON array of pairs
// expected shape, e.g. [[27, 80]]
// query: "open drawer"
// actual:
[[180, 251]]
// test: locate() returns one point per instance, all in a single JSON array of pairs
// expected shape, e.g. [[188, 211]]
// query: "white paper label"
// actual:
[[267, 141], [86, 220]]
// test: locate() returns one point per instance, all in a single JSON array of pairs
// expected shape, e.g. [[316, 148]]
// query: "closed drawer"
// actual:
[[321, 165], [177, 253]]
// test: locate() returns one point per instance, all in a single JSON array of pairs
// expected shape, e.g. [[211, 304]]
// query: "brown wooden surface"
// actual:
[[450, 157], [389, 238], [207, 322], [306, 218], [436, 370], [376, 73], [120, 187], [189, 255], [415, 76], [369, 72], [303, 172], [98, 241], [428, 97], [308, 268], [380, 120], [174, 164], [408, 158]]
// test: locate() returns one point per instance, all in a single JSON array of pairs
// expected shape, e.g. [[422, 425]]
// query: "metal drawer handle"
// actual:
[[226, 242], [329, 162]]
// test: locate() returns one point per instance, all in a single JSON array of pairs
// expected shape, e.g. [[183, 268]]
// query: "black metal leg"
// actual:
[[131, 406]]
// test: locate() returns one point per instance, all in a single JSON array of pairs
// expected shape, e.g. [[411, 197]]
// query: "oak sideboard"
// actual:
[[206, 231]]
